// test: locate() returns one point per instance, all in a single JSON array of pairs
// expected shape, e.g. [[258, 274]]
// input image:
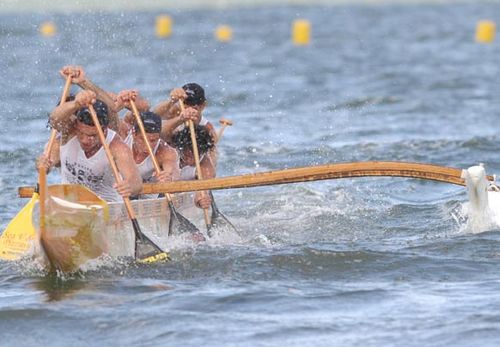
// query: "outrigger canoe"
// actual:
[[81, 227]]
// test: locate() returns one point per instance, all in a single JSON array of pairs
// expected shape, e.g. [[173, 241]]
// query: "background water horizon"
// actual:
[[54, 6]]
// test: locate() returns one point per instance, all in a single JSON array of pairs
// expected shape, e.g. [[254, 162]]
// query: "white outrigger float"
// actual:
[[483, 207], [81, 227]]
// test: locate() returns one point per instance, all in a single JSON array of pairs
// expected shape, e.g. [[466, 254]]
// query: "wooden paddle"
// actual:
[[146, 251], [42, 173], [307, 174], [219, 220], [224, 123], [196, 155], [15, 240], [178, 224]]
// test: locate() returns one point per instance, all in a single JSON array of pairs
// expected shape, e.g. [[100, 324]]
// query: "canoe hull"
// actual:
[[84, 228]]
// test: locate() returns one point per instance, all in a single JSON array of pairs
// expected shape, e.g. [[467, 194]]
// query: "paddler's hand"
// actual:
[[178, 94], [125, 96], [85, 98], [202, 200], [76, 72], [190, 113], [43, 162], [123, 188], [164, 176]]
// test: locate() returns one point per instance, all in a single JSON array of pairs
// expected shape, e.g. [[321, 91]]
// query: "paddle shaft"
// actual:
[[224, 123], [160, 254], [196, 155], [138, 120], [42, 173], [112, 163]]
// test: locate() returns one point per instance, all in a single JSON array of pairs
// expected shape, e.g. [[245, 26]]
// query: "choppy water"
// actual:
[[363, 262]]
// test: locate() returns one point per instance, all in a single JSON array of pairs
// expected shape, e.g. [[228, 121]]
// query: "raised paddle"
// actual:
[[146, 251], [16, 238], [224, 123], [196, 161], [178, 224]]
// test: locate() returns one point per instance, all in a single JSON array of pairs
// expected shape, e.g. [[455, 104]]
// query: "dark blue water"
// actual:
[[353, 262]]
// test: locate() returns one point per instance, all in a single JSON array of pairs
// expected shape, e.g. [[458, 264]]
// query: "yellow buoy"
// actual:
[[48, 29], [301, 32], [485, 31], [224, 33], [163, 26]]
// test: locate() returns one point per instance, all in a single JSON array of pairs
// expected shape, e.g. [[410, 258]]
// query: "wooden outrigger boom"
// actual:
[[306, 174]]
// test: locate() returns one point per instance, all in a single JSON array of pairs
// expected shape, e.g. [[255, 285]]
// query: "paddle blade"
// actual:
[[179, 225], [146, 251], [218, 220], [20, 233]]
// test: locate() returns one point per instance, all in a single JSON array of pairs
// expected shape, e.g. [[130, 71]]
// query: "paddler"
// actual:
[[174, 118], [82, 158], [79, 77], [206, 142], [166, 156]]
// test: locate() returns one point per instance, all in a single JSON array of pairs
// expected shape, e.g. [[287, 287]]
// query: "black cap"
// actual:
[[195, 94], [101, 110], [151, 122]]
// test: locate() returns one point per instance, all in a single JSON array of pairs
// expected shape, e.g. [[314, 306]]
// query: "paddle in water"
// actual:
[[178, 224], [146, 251], [16, 239], [218, 220]]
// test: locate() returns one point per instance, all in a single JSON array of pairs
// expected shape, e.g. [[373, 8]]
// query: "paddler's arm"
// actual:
[[168, 160], [132, 181], [170, 108], [168, 127], [52, 160], [202, 198], [123, 101], [141, 103], [207, 167], [212, 153], [80, 78], [62, 117]]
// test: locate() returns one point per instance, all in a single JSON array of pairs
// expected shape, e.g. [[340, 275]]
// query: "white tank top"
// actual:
[[94, 173], [188, 173], [146, 168]]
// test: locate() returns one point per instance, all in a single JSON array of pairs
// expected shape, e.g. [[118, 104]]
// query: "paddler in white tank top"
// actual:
[[193, 96], [79, 78], [166, 156], [183, 144], [82, 157]]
